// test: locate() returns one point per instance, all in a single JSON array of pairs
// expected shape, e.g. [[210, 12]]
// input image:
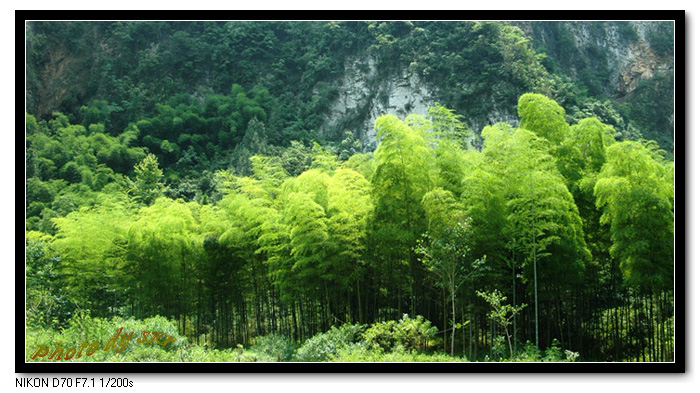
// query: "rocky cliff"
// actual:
[[623, 50], [364, 96], [611, 58]]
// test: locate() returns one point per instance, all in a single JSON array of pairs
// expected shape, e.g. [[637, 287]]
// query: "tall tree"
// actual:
[[444, 248], [401, 178], [148, 184], [635, 191], [95, 267], [544, 117], [349, 209], [164, 244], [531, 210]]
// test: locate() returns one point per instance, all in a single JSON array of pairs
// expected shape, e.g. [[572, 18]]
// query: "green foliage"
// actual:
[[358, 353], [208, 73], [94, 266], [448, 126], [134, 66], [543, 116], [650, 108], [273, 348], [325, 346], [322, 159], [401, 179], [148, 184], [68, 166], [661, 39], [254, 142], [591, 138], [407, 333], [306, 240], [296, 158], [627, 31], [517, 196], [530, 353], [472, 63], [163, 247], [47, 304], [445, 249], [269, 171], [555, 354], [501, 314], [634, 188], [567, 57], [308, 235], [349, 209], [82, 327]]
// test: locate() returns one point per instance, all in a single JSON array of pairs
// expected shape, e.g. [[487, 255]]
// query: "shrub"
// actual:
[[529, 353], [359, 352], [274, 347], [82, 327], [555, 354], [408, 332], [380, 336], [323, 346]]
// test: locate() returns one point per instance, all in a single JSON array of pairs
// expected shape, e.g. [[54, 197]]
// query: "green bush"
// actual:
[[380, 336], [408, 332], [529, 353], [556, 354], [82, 327], [273, 348], [323, 346], [359, 352]]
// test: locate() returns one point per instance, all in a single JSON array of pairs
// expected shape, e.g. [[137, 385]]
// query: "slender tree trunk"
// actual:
[[452, 347], [515, 317], [471, 332], [510, 346], [630, 338], [537, 321], [272, 306], [561, 321], [491, 339], [464, 335], [359, 302], [635, 321], [398, 302], [534, 259], [661, 325], [477, 329], [444, 320], [653, 328]]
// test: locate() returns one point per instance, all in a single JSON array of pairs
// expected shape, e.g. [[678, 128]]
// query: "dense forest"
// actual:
[[187, 178]]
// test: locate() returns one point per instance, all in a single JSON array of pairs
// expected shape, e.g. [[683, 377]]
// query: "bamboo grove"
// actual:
[[574, 230]]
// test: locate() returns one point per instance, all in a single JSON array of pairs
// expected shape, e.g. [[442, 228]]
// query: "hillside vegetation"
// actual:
[[177, 180]]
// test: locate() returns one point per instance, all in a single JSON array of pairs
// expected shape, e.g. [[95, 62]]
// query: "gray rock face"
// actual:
[[364, 96]]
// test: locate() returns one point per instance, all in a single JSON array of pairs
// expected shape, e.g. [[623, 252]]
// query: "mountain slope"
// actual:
[[324, 78]]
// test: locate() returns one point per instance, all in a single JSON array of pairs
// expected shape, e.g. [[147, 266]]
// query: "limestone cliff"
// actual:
[[364, 96], [612, 57]]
